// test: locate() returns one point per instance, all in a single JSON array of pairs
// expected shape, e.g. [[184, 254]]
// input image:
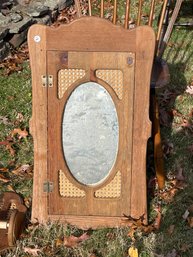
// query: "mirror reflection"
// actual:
[[90, 133]]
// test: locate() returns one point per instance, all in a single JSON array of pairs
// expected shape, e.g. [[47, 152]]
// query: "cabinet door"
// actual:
[[90, 114]]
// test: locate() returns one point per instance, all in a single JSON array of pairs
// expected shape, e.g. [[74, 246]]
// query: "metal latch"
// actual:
[[47, 80], [48, 187]]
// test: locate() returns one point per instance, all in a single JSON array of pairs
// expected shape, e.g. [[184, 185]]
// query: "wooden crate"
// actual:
[[94, 50]]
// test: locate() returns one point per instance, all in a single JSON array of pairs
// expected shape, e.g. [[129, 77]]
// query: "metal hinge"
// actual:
[[48, 187], [47, 80]]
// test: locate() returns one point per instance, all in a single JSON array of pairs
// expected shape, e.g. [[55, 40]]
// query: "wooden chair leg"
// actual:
[[158, 153]]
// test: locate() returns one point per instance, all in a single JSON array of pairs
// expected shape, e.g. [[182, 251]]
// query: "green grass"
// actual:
[[15, 111], [15, 99]]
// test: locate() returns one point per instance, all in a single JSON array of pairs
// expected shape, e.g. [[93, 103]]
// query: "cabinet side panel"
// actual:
[[38, 122]]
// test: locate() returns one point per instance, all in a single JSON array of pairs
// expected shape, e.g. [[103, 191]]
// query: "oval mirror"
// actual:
[[90, 133]]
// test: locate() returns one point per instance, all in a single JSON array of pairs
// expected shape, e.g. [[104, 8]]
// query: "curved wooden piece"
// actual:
[[158, 152]]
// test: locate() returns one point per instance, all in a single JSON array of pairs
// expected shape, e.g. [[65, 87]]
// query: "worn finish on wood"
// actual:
[[63, 48]]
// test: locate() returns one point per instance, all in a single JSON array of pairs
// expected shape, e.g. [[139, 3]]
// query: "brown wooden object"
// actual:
[[89, 8], [90, 49], [12, 215], [161, 22], [127, 11], [115, 12], [139, 12], [158, 152], [102, 9], [150, 21]]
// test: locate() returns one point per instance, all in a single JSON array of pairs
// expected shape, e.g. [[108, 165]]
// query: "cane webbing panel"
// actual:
[[114, 78], [67, 189], [112, 190], [66, 78]]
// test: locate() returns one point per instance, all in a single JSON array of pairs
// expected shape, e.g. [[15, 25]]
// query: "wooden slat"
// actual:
[[127, 11], [115, 12], [150, 21], [89, 8], [139, 12], [161, 21], [102, 9]]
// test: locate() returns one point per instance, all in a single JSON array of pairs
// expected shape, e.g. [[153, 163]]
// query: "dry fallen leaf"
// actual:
[[8, 146], [72, 241], [131, 232], [32, 251], [168, 148], [185, 247], [185, 215], [157, 221], [21, 133], [189, 90], [20, 117], [59, 242], [171, 229], [10, 188], [190, 208], [190, 221], [4, 120], [172, 254], [4, 179], [24, 170], [133, 252], [4, 169], [179, 174]]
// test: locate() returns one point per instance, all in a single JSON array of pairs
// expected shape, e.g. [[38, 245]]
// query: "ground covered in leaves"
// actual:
[[170, 233]]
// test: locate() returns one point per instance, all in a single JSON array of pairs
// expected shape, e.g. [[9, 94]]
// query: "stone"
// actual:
[[15, 17], [4, 51], [3, 32], [44, 20], [21, 25], [1, 43], [36, 10], [23, 2], [58, 4], [7, 4], [18, 38], [4, 20]]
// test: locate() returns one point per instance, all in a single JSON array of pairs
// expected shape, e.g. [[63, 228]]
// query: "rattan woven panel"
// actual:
[[112, 190], [66, 77], [114, 78], [67, 189]]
